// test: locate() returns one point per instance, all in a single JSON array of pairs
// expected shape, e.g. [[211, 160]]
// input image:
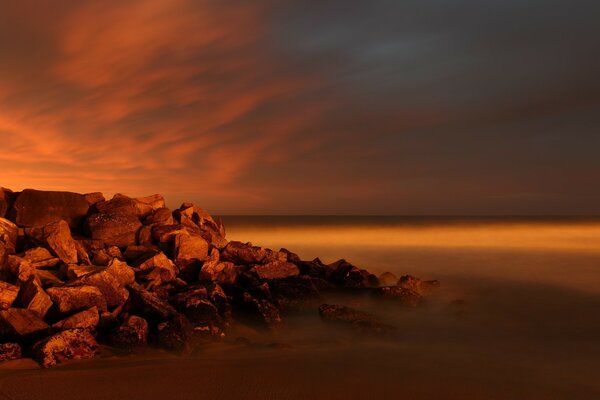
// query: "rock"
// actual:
[[401, 295], [113, 229], [417, 285], [39, 257], [69, 299], [295, 293], [67, 345], [57, 236], [135, 254], [275, 270], [260, 311], [291, 257], [82, 255], [149, 305], [243, 253], [48, 278], [10, 351], [189, 249], [74, 272], [196, 307], [388, 279], [314, 269], [94, 198], [348, 276], [21, 324], [38, 208], [86, 319], [111, 282], [158, 269], [175, 334], [124, 205], [9, 233], [5, 201], [155, 201], [131, 333], [222, 272], [161, 216], [34, 298], [8, 294], [362, 321]]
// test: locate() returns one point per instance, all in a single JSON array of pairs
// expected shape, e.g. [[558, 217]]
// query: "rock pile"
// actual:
[[77, 269]]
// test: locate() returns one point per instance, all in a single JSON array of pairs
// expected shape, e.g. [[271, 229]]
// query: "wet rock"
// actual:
[[21, 324], [194, 304], [348, 276], [243, 253], [149, 305], [176, 334], [34, 298], [8, 294], [132, 332], [417, 285], [295, 293], [260, 311], [10, 351], [314, 269], [67, 345], [388, 279], [113, 229], [38, 208], [69, 299], [400, 295], [359, 320], [9, 233], [39, 257], [87, 319], [275, 270]]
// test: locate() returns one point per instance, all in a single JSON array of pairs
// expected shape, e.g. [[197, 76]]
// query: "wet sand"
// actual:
[[527, 326]]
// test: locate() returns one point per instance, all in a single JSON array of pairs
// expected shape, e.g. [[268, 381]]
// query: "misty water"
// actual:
[[517, 316]]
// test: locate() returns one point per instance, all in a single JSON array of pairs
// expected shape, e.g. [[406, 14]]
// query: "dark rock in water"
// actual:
[[69, 299], [175, 334], [132, 332], [8, 294], [401, 295], [21, 324], [275, 270], [348, 276], [360, 320], [87, 319], [10, 351], [33, 297], [295, 293], [113, 229], [149, 305], [66, 345], [38, 208], [243, 253], [417, 285], [388, 279], [260, 311], [291, 257]]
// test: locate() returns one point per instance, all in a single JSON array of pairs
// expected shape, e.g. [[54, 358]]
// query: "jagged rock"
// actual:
[[38, 208], [124, 205], [149, 305], [9, 233], [86, 319], [261, 311], [243, 253], [39, 257], [8, 294], [417, 285], [144, 236], [347, 275], [291, 257], [113, 229], [94, 198], [275, 270], [401, 295], [388, 279], [162, 216], [362, 321], [67, 345], [21, 324], [155, 201], [5, 201], [222, 272], [314, 269], [74, 272], [10, 351], [34, 298], [111, 281], [57, 236], [69, 299], [82, 255], [189, 250], [158, 269], [48, 278], [131, 333], [175, 334]]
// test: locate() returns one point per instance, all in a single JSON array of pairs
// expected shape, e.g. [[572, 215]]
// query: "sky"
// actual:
[[428, 107]]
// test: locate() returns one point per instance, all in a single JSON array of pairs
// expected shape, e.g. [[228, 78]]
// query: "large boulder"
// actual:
[[243, 253], [38, 208], [86, 319], [8, 294], [275, 270], [121, 204], [162, 216], [5, 201], [111, 282], [131, 333], [66, 345], [69, 299], [157, 269], [10, 351], [21, 324], [222, 272], [113, 229], [359, 320], [57, 237], [189, 249]]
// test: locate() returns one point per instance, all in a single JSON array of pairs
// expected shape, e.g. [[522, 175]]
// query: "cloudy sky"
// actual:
[[302, 107]]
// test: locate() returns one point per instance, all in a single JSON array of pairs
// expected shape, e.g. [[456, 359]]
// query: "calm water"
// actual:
[[517, 317]]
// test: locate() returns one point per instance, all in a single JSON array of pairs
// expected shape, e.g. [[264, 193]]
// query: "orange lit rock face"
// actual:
[[181, 280]]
